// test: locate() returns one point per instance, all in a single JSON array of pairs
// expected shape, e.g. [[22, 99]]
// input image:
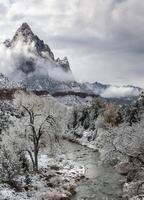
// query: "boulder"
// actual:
[[124, 168]]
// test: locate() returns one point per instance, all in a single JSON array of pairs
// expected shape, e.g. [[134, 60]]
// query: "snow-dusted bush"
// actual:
[[122, 142], [110, 114], [10, 166]]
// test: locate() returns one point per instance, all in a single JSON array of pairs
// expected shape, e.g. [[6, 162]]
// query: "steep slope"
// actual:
[[25, 35], [34, 62]]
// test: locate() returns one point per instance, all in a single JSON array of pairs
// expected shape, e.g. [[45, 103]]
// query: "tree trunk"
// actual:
[[36, 159]]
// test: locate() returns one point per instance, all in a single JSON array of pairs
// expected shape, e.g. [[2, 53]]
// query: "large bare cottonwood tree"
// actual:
[[37, 132]]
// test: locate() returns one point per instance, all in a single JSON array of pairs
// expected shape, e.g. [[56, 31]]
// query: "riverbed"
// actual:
[[101, 182]]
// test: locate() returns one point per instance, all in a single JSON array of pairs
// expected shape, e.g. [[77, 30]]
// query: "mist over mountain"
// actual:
[[26, 54], [27, 60]]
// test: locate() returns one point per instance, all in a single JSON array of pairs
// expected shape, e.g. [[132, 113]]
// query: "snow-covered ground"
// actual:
[[57, 179]]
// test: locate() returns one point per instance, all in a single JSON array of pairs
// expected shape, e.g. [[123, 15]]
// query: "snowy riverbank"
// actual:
[[56, 180]]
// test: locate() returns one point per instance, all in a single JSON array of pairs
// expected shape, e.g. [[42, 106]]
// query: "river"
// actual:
[[100, 182]]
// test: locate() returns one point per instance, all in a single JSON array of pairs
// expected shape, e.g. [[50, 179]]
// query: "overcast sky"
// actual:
[[103, 39]]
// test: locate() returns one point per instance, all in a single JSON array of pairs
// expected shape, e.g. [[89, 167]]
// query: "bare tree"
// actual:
[[36, 134]]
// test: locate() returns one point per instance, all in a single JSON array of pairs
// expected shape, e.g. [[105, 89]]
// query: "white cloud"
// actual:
[[11, 60], [116, 92]]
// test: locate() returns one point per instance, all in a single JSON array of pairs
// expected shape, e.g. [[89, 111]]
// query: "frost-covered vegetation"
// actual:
[[32, 162], [117, 132]]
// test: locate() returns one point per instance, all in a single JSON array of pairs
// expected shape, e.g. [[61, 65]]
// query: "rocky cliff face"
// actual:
[[34, 50], [25, 35], [35, 64], [64, 63]]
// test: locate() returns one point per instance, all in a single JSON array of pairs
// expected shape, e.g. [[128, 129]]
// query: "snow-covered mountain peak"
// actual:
[[23, 31], [25, 36], [30, 55]]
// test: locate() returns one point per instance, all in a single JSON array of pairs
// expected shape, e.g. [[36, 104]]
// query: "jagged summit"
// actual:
[[25, 26], [64, 63], [25, 40], [23, 31], [24, 34]]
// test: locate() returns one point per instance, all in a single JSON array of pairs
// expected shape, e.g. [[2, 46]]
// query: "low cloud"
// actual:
[[13, 63], [117, 92]]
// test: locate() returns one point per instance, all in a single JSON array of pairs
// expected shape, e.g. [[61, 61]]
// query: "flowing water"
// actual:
[[100, 182]]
